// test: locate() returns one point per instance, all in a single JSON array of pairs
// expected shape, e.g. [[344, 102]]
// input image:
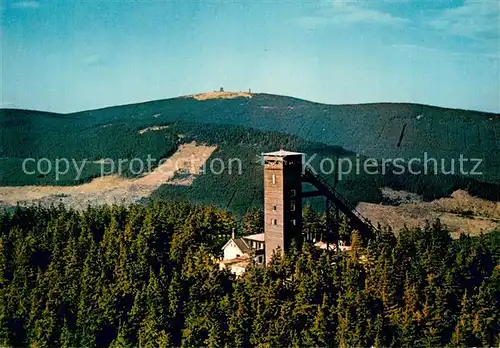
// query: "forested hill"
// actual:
[[384, 130], [236, 190]]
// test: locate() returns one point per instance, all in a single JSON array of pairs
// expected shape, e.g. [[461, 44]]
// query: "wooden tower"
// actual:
[[282, 201]]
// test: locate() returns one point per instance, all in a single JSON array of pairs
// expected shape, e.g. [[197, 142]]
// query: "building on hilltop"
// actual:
[[283, 178], [241, 252], [251, 246], [282, 201]]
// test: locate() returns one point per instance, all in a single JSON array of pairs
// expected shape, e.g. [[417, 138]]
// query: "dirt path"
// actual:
[[114, 189]]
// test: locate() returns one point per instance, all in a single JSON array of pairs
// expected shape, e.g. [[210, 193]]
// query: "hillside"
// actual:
[[245, 126], [382, 130]]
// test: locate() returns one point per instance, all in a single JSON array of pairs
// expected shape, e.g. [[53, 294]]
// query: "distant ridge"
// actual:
[[241, 94], [243, 127], [374, 129]]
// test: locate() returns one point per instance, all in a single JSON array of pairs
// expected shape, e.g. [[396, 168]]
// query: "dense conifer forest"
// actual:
[[145, 276], [46, 135], [382, 130]]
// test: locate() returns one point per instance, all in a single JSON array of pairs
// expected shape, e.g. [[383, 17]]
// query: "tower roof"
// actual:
[[282, 153]]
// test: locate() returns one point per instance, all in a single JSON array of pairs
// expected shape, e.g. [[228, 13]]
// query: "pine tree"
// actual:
[[89, 315], [319, 333], [253, 222], [463, 333], [155, 318], [66, 339], [122, 340]]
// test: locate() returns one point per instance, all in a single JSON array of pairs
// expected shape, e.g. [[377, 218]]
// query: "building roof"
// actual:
[[282, 153], [240, 243], [259, 237]]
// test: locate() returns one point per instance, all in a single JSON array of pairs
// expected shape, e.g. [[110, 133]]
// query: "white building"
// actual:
[[251, 246], [332, 246], [239, 252]]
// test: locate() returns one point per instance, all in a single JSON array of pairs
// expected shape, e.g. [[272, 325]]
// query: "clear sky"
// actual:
[[69, 55]]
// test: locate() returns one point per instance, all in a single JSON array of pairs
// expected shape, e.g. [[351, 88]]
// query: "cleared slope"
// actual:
[[460, 213], [112, 188]]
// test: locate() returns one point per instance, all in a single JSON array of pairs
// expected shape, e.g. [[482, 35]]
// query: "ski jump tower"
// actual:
[[283, 178], [282, 200]]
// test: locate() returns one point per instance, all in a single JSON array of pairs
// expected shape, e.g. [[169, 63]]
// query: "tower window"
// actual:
[[275, 222], [294, 222], [293, 192], [274, 179], [292, 206], [275, 208]]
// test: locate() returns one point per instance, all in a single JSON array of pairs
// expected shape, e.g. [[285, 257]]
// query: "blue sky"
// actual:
[[73, 55]]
